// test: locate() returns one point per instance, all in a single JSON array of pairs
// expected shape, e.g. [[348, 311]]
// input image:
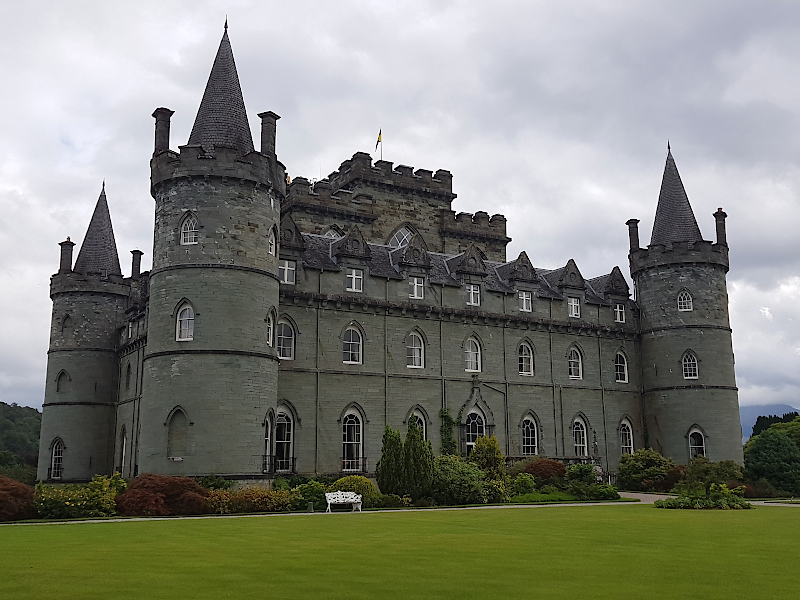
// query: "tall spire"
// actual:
[[222, 118], [99, 250], [675, 220]]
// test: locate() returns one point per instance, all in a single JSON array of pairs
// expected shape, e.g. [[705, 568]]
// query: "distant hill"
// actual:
[[19, 430], [749, 414]]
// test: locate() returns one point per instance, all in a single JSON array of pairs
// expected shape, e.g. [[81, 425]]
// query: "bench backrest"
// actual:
[[342, 497]]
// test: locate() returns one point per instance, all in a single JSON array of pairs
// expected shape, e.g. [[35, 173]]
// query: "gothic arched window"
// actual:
[[189, 231], [283, 443], [271, 241], [401, 237], [690, 370], [626, 437], [473, 429], [575, 364], [620, 368], [285, 340], [176, 434], [415, 351], [685, 301], [525, 359], [184, 327], [697, 443], [530, 445], [351, 346], [57, 459], [472, 356], [579, 437], [351, 442]]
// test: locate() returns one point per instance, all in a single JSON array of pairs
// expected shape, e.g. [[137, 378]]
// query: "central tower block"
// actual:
[[210, 371]]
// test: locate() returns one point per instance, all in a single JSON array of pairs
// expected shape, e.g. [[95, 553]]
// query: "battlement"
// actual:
[[72, 283], [678, 253], [476, 226], [194, 161], [383, 173]]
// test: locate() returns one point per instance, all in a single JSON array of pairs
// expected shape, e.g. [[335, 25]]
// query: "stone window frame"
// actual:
[[626, 436], [574, 307], [123, 436], [575, 363], [619, 312], [473, 294], [525, 301], [417, 414], [189, 230], [620, 367], [529, 435], [281, 329], [401, 236], [530, 371], [184, 322], [172, 450], [696, 439], [474, 427], [690, 365], [685, 301], [354, 280], [352, 345], [285, 465], [353, 441], [412, 356], [272, 246], [473, 355], [57, 448], [287, 271], [62, 381], [271, 327], [416, 288], [580, 436]]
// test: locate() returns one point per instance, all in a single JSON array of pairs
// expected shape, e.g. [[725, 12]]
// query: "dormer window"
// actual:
[[619, 313], [189, 231], [574, 307], [525, 301], [473, 294]]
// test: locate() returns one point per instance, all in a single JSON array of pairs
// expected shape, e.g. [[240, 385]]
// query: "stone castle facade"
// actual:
[[284, 325]]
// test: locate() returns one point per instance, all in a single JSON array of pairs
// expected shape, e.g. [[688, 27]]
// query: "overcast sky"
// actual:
[[556, 114]]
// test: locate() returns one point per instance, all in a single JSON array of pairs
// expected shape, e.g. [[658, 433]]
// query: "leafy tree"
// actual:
[[642, 470], [19, 431], [456, 481], [775, 457], [418, 463], [702, 475], [790, 428], [390, 470], [487, 455], [765, 422]]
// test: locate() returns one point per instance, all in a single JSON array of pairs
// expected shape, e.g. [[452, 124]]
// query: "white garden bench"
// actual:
[[343, 498]]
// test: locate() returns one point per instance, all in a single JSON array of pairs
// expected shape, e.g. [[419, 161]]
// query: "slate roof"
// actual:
[[99, 249], [675, 220], [222, 119], [385, 262]]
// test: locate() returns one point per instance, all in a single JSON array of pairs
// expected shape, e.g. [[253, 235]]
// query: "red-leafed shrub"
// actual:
[[674, 476], [16, 500], [141, 503], [545, 469], [163, 495]]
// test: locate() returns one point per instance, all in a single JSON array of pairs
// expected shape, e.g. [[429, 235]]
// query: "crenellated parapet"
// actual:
[[678, 253], [360, 170], [459, 230], [321, 198]]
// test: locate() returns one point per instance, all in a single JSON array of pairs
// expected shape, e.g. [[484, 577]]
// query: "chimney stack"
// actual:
[[268, 126], [66, 256], [136, 263], [722, 238], [633, 233], [162, 116]]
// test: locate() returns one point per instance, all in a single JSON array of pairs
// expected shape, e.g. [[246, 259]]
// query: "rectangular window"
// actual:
[[416, 288], [355, 280], [473, 294], [574, 305], [286, 271], [619, 313], [525, 301]]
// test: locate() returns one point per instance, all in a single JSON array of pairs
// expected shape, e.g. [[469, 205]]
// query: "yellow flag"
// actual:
[[379, 139]]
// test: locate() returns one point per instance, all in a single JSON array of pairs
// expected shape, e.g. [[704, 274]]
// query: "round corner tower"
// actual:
[[89, 301], [210, 372], [690, 399]]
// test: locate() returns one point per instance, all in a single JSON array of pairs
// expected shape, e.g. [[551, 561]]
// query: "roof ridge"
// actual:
[[675, 221], [222, 118], [99, 248]]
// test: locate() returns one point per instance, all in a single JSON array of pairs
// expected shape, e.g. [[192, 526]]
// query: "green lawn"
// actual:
[[616, 551]]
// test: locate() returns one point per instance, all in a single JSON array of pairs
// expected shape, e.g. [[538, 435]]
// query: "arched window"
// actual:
[[472, 356], [351, 346], [401, 237], [626, 437], [575, 364], [285, 340], [176, 435], [684, 301], [689, 366], [122, 449], [697, 443], [189, 231], [530, 441], [579, 437], [271, 241], [283, 443], [62, 382], [270, 328], [415, 351], [525, 359], [267, 462], [419, 420], [57, 459], [184, 327], [66, 324], [620, 368], [473, 429], [351, 443], [128, 377]]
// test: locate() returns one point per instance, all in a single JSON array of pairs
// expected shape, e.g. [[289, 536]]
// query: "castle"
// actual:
[[284, 325]]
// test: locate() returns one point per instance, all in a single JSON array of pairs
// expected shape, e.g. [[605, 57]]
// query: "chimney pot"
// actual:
[[268, 127], [722, 238], [162, 116], [66, 256], [633, 233]]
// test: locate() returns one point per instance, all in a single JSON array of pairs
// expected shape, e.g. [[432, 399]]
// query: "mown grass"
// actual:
[[618, 551]]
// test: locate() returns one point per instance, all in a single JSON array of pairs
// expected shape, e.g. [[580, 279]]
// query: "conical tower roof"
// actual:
[[675, 220], [222, 118], [99, 249]]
